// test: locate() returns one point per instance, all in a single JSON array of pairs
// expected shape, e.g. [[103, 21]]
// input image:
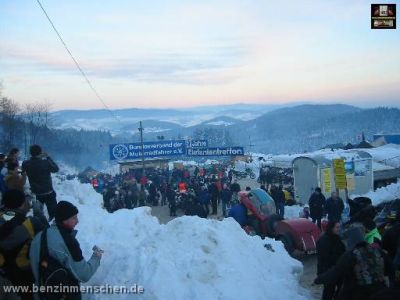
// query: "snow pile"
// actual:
[[383, 194], [387, 154], [293, 212], [188, 258]]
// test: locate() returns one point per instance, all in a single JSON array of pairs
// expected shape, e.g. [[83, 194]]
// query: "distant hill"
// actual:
[[283, 130], [309, 127]]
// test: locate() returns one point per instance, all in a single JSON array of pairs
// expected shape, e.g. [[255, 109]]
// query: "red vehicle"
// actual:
[[296, 234]]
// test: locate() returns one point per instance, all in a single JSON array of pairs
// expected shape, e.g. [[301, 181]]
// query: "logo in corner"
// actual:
[[120, 151]]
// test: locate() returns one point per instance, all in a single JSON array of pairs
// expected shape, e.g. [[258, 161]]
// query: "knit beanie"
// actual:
[[64, 211], [13, 199]]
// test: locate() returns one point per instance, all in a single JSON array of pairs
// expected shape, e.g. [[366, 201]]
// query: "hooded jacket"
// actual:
[[64, 247]]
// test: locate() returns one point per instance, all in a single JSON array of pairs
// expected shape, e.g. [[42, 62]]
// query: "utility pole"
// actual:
[[142, 144], [250, 144]]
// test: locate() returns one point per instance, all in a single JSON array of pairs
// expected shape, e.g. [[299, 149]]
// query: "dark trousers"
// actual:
[[50, 201], [318, 220], [214, 204], [280, 209], [206, 209], [331, 291], [172, 209], [20, 277]]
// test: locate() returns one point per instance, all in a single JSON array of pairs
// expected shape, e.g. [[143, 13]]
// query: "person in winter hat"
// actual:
[[64, 247]]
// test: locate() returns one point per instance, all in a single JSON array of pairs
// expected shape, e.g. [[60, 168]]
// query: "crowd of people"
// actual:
[[354, 260], [193, 191], [33, 251]]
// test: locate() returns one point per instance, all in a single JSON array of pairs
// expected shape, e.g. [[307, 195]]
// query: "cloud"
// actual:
[[172, 66]]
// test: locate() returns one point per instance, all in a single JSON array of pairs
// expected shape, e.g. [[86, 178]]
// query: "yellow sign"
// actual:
[[340, 174], [326, 180]]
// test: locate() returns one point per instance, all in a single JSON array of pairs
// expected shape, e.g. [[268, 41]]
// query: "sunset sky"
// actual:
[[180, 53]]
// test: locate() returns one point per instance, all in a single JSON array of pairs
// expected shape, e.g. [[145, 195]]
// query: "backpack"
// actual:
[[53, 274], [16, 257], [370, 267]]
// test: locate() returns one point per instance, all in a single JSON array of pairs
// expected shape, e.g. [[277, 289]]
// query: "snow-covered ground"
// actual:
[[188, 258], [383, 194]]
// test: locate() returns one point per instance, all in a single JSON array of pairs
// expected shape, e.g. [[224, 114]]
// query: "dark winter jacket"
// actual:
[[213, 189], [278, 196], [235, 188], [334, 209], [226, 195], [16, 234], [195, 209], [39, 174], [317, 205], [391, 240], [329, 248], [348, 266], [171, 196]]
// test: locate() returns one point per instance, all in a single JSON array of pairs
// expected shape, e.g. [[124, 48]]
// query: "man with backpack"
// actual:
[[362, 268], [16, 233], [55, 249], [39, 168]]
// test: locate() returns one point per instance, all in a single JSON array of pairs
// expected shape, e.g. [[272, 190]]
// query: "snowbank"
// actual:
[[383, 194], [188, 258], [292, 212], [387, 154]]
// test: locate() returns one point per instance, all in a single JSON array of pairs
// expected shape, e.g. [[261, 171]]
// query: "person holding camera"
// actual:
[[57, 248], [39, 168]]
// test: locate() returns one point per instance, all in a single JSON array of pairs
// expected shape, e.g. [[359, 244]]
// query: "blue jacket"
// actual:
[[204, 197], [239, 213]]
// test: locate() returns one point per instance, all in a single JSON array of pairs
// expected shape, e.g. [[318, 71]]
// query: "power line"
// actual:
[[75, 61]]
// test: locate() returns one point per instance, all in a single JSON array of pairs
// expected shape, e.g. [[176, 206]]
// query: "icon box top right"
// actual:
[[383, 16]]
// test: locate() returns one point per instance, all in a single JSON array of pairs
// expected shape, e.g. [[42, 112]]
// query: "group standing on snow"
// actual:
[[33, 251]]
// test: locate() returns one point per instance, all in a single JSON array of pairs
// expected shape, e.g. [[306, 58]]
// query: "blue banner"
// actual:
[[217, 151], [151, 149]]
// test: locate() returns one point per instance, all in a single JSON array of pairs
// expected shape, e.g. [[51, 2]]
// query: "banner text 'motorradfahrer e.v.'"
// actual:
[[151, 149]]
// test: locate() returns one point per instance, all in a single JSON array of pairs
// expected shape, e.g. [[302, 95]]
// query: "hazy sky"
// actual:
[[167, 53]]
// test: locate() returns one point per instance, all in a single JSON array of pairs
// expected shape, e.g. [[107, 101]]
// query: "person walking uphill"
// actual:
[[39, 168], [57, 248], [329, 248], [334, 207], [317, 205]]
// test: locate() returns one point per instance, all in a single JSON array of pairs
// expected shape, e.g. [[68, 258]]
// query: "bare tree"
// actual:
[[9, 121], [37, 118]]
